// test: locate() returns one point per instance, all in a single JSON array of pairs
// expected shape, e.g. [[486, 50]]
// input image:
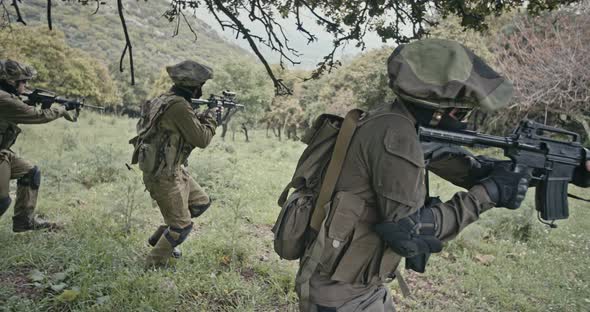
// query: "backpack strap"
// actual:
[[335, 167], [310, 262]]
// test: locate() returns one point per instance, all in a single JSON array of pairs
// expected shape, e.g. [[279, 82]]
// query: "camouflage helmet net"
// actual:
[[15, 71], [439, 73], [189, 73]]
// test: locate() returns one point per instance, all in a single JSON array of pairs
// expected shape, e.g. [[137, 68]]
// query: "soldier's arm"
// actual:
[[398, 180], [396, 167], [14, 110], [463, 209], [196, 131]]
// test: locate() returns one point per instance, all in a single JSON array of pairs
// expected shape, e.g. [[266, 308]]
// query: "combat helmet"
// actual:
[[11, 70], [441, 74], [189, 73]]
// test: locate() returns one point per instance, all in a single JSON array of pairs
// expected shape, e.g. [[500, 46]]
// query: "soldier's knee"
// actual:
[[181, 234], [197, 210], [4, 204], [31, 179]]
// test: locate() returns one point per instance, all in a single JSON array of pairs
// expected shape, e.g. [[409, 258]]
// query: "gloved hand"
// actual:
[[505, 187], [413, 237], [71, 105], [582, 175]]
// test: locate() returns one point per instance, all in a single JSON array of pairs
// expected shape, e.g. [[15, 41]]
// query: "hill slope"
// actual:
[[151, 34]]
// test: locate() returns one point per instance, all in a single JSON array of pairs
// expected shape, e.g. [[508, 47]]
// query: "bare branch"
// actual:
[[19, 17], [280, 87], [49, 14], [128, 47]]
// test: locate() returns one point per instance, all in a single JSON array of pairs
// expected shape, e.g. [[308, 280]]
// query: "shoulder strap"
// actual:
[[335, 166]]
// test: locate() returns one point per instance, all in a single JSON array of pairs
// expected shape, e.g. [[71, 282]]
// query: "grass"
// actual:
[[504, 262]]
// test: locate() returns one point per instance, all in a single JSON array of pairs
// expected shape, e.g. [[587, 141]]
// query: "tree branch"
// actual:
[[19, 17], [280, 87], [49, 14], [128, 46]]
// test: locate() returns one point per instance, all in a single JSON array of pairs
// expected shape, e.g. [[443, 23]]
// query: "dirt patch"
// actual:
[[248, 274], [262, 231], [18, 281]]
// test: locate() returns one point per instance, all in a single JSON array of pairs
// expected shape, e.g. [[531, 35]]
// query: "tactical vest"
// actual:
[[8, 133], [159, 148]]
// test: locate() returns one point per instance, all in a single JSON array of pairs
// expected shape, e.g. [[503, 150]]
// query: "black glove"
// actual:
[[505, 187], [71, 105], [413, 237], [581, 176]]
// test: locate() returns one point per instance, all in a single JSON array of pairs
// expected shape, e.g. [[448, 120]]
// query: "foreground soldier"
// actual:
[[13, 80], [379, 211], [167, 131]]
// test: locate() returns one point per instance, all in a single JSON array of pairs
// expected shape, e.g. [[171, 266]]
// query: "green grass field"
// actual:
[[507, 261]]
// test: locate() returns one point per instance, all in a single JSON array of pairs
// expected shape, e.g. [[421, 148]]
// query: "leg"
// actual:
[[5, 199], [171, 194], [198, 200]]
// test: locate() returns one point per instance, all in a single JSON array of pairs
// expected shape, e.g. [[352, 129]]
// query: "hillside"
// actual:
[[151, 34], [507, 261]]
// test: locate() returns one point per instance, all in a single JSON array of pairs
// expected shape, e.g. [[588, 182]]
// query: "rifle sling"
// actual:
[[578, 197], [335, 167]]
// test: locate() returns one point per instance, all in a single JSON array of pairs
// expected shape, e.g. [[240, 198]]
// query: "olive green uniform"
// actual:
[[384, 172], [168, 131], [12, 112]]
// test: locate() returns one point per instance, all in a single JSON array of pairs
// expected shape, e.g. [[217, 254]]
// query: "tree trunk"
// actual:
[[245, 129], [223, 130]]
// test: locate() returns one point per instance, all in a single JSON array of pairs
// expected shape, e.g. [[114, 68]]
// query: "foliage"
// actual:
[[546, 58], [154, 43], [65, 70], [348, 21], [261, 22], [228, 264]]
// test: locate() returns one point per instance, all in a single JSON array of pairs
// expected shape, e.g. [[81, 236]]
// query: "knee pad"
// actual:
[[183, 232], [197, 210], [4, 204], [32, 179]]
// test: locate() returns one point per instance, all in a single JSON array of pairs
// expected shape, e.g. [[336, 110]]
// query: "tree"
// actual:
[[65, 70], [547, 58], [347, 20]]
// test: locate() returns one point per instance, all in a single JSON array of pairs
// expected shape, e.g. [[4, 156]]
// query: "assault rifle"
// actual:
[[47, 98], [553, 156], [227, 100]]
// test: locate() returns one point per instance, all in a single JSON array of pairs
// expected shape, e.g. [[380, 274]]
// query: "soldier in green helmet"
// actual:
[[167, 132], [13, 111], [379, 211]]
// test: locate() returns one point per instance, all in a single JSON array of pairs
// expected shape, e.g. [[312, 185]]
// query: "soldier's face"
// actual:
[[21, 86]]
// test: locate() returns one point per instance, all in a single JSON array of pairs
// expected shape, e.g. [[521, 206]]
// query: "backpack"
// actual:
[[313, 182]]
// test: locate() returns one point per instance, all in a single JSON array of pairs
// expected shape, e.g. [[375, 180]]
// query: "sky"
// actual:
[[311, 54]]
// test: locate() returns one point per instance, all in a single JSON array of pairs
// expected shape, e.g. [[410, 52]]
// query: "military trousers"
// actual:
[[377, 300], [176, 195], [14, 167]]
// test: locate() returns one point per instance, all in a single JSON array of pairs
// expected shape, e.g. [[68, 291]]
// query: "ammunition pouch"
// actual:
[[8, 134]]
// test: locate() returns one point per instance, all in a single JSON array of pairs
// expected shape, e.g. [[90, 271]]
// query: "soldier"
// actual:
[[13, 80], [167, 131], [380, 197]]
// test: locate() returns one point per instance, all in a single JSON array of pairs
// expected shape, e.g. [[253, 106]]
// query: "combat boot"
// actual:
[[23, 224], [153, 240], [161, 255]]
